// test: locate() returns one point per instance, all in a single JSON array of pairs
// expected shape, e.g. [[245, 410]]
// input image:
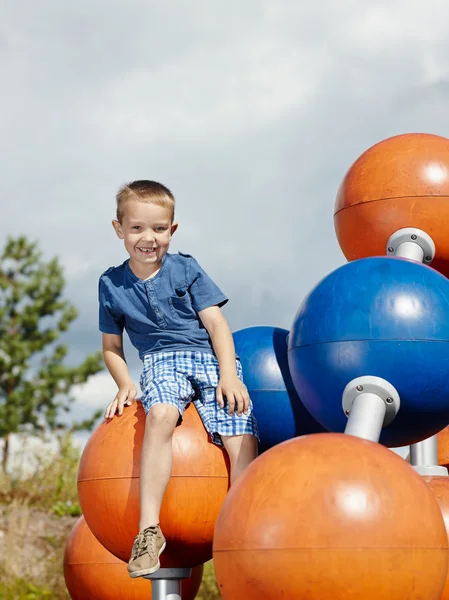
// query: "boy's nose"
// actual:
[[148, 236]]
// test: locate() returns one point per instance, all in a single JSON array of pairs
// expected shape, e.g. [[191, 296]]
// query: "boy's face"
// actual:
[[147, 230]]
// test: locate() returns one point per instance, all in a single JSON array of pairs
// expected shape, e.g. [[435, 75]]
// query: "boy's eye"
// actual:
[[160, 228], [136, 226]]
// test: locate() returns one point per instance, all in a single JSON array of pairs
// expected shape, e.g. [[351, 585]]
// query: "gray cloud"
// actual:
[[250, 113]]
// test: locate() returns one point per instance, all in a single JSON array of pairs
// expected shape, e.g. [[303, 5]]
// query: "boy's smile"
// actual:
[[147, 230]]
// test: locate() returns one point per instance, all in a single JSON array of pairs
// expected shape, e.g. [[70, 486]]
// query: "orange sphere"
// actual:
[[402, 181], [108, 487], [330, 516], [443, 447], [91, 571], [440, 487]]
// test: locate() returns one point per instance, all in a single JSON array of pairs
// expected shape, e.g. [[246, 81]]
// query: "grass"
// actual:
[[51, 485], [38, 509], [31, 565], [209, 588]]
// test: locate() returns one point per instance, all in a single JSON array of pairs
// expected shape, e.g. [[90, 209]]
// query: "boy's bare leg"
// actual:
[[156, 461], [242, 449]]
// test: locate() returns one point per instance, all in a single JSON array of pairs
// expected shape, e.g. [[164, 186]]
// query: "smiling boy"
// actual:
[[170, 309]]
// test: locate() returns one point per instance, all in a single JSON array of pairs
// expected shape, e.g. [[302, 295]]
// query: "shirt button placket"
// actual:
[[152, 299]]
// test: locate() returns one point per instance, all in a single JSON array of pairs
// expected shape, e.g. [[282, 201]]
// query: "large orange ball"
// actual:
[[108, 487], [402, 181], [330, 516], [440, 488], [91, 571]]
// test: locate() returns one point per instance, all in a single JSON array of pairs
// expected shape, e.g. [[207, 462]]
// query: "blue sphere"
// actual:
[[387, 317], [279, 412]]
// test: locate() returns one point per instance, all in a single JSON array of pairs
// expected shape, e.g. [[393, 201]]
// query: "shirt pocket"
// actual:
[[181, 307]]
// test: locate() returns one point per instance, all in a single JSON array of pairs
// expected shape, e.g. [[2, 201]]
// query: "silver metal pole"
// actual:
[[411, 243], [166, 583], [425, 452], [166, 589], [410, 250], [370, 403], [424, 457], [366, 417]]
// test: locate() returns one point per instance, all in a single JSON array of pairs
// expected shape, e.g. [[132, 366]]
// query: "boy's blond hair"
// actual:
[[145, 191]]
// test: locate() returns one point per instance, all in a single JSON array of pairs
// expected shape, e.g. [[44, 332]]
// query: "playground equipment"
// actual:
[[325, 515], [279, 412], [108, 487], [91, 571], [108, 477], [382, 317], [330, 516], [367, 356], [108, 490], [401, 182]]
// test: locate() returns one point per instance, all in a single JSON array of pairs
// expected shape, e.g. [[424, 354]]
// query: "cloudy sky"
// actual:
[[251, 112]]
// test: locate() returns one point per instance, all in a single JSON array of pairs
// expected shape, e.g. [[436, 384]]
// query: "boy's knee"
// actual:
[[162, 416]]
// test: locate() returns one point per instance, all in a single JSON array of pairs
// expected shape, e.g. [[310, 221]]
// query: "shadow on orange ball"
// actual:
[[330, 516], [400, 182], [90, 571], [108, 487]]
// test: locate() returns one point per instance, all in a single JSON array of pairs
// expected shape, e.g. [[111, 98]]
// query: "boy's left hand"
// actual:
[[235, 392]]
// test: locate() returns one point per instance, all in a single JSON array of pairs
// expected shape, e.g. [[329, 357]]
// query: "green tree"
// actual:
[[34, 383]]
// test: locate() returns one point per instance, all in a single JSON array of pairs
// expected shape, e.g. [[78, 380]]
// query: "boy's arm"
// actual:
[[114, 359], [229, 385]]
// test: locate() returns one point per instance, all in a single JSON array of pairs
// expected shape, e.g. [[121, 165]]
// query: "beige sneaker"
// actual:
[[147, 547]]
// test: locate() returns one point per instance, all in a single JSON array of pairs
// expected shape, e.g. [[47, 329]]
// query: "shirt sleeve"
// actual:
[[109, 320], [203, 291]]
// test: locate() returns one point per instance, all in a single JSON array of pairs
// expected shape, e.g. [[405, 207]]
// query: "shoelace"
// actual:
[[146, 542]]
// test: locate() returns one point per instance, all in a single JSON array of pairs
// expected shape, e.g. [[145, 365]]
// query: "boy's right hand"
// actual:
[[125, 397]]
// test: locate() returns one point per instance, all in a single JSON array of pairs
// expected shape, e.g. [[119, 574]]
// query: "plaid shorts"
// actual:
[[181, 377]]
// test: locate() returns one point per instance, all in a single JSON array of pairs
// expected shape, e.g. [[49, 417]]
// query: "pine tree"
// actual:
[[35, 383]]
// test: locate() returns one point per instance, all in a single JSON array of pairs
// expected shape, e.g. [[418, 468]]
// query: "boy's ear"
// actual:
[[118, 228], [173, 228]]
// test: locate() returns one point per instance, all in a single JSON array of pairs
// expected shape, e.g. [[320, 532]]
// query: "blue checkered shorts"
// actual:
[[181, 377]]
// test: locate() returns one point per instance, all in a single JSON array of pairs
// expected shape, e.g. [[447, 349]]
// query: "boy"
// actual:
[[170, 309]]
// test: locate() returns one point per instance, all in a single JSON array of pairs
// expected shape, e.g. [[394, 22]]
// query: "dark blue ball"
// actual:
[[279, 412], [387, 317]]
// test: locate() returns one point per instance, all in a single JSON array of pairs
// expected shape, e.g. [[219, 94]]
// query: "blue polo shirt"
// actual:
[[161, 313]]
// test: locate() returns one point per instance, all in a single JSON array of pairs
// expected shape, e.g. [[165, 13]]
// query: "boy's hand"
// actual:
[[125, 397], [235, 392]]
